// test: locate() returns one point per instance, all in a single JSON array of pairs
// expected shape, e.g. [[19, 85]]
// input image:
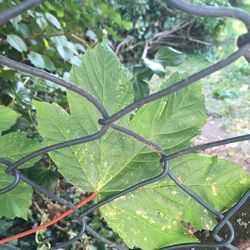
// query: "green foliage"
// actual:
[[116, 161], [144, 71], [150, 17], [58, 30], [41, 61], [16, 145], [13, 146], [51, 37], [44, 176], [206, 28], [143, 13], [169, 56]]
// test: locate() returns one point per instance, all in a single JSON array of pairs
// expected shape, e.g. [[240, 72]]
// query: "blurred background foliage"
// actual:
[[150, 38]]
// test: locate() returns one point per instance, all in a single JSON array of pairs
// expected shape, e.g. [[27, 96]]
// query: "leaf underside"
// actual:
[[150, 217]]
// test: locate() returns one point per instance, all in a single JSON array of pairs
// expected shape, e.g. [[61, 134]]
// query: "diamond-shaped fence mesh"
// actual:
[[107, 123]]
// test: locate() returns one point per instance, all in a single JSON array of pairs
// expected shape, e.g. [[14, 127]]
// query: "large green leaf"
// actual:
[[107, 164], [81, 164], [7, 118], [117, 161], [156, 215]]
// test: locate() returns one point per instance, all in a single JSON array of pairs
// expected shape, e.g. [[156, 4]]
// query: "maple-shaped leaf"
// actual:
[[153, 216]]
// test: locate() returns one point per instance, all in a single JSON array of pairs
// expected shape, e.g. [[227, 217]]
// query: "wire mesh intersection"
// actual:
[[107, 123]]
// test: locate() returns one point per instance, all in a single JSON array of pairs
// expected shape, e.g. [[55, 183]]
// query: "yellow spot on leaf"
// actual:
[[243, 181], [214, 191]]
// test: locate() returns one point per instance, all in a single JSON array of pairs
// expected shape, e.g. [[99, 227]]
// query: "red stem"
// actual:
[[48, 224]]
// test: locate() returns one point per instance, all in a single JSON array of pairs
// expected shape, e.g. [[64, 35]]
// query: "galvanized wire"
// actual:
[[107, 122]]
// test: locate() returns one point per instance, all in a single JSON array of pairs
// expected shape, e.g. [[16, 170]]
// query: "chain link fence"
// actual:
[[107, 123]]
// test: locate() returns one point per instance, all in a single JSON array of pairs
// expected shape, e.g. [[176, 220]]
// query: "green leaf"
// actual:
[[53, 20], [57, 7], [41, 20], [20, 95], [43, 175], [154, 65], [16, 42], [143, 73], [169, 56], [15, 145], [112, 88], [65, 48], [41, 61], [154, 216], [116, 161], [7, 74], [7, 117], [16, 202], [141, 88], [65, 53]]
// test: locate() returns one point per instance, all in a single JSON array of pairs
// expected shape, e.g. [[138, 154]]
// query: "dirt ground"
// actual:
[[238, 152]]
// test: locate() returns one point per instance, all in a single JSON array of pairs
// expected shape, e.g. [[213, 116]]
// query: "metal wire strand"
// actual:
[[128, 190], [49, 194], [15, 181], [140, 138], [208, 11], [14, 11], [57, 146], [59, 81], [179, 85], [93, 233], [206, 146], [231, 212], [75, 238], [37, 187], [211, 245]]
